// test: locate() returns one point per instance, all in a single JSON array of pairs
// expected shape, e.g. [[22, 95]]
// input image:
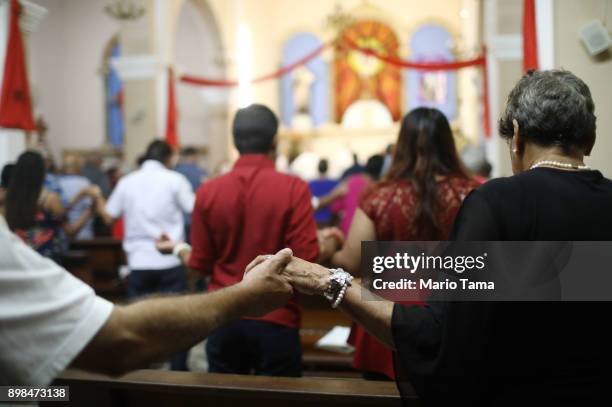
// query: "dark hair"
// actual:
[[24, 190], [254, 129], [158, 150], [140, 160], [425, 148], [374, 166], [323, 166], [189, 151], [7, 171], [552, 108]]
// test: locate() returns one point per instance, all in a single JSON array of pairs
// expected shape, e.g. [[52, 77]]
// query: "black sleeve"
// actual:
[[432, 341], [418, 328], [475, 220]]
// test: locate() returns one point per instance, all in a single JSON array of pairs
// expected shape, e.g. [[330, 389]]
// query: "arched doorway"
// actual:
[[198, 50]]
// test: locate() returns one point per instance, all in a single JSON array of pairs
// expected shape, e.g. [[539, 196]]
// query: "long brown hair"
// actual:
[[425, 149]]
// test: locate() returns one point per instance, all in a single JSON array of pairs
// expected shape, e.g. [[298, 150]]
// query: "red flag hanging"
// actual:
[[15, 101], [530, 40], [486, 112], [171, 118]]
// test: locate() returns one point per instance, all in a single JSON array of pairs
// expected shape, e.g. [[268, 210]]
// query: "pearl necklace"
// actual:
[[560, 164]]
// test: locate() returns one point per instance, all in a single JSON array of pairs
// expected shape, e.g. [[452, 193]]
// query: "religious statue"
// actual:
[[301, 83]]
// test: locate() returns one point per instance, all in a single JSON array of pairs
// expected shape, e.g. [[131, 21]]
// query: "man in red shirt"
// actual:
[[253, 210]]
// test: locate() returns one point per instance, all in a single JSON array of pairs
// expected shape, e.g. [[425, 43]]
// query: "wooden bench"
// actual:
[[166, 388], [317, 319], [104, 257]]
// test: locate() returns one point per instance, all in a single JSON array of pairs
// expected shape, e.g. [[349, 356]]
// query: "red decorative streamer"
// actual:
[[273, 75], [480, 61], [421, 66]]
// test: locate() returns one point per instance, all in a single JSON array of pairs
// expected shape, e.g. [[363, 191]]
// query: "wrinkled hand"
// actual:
[[164, 245], [265, 282], [308, 278]]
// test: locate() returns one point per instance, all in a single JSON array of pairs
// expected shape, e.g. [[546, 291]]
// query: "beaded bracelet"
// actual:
[[339, 281]]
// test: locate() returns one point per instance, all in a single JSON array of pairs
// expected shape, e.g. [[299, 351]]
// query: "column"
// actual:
[[12, 141], [140, 69]]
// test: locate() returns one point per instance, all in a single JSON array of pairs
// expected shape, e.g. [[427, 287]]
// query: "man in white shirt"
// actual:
[[50, 320], [152, 202]]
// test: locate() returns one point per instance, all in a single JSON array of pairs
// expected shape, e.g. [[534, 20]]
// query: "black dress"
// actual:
[[516, 353]]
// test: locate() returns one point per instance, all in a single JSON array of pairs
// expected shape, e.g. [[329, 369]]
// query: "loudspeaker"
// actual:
[[595, 37]]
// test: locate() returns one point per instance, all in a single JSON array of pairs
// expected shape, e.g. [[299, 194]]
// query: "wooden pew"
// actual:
[[166, 388], [317, 319], [105, 256], [77, 262]]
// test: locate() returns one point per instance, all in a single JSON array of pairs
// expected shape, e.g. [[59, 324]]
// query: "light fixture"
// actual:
[[125, 10]]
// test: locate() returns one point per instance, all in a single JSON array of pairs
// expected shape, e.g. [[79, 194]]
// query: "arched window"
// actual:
[[305, 90], [432, 43]]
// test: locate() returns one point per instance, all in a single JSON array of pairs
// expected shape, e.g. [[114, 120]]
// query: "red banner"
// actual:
[[171, 118], [15, 101], [530, 40]]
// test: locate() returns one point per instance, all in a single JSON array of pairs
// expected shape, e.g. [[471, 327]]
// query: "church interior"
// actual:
[[78, 52], [107, 78]]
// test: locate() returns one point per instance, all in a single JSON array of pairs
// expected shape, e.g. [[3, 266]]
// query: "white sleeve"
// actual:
[[185, 195], [114, 205], [47, 316]]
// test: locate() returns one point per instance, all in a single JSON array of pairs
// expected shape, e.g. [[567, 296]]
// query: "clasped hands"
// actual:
[[273, 279]]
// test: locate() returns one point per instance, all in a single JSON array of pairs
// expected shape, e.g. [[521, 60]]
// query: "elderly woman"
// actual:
[[506, 353]]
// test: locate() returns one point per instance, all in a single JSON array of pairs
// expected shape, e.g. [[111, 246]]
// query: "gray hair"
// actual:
[[552, 108]]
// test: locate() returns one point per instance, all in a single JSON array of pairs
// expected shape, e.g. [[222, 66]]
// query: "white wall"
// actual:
[[202, 111], [570, 54], [65, 63]]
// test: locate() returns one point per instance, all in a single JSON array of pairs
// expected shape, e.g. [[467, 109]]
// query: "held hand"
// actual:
[[264, 282], [328, 243], [164, 245], [93, 191], [333, 233], [308, 278]]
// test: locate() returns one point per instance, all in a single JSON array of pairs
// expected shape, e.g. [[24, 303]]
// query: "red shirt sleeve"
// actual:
[[302, 230], [202, 254]]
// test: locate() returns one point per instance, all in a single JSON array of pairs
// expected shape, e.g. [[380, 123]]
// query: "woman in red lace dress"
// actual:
[[417, 199]]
